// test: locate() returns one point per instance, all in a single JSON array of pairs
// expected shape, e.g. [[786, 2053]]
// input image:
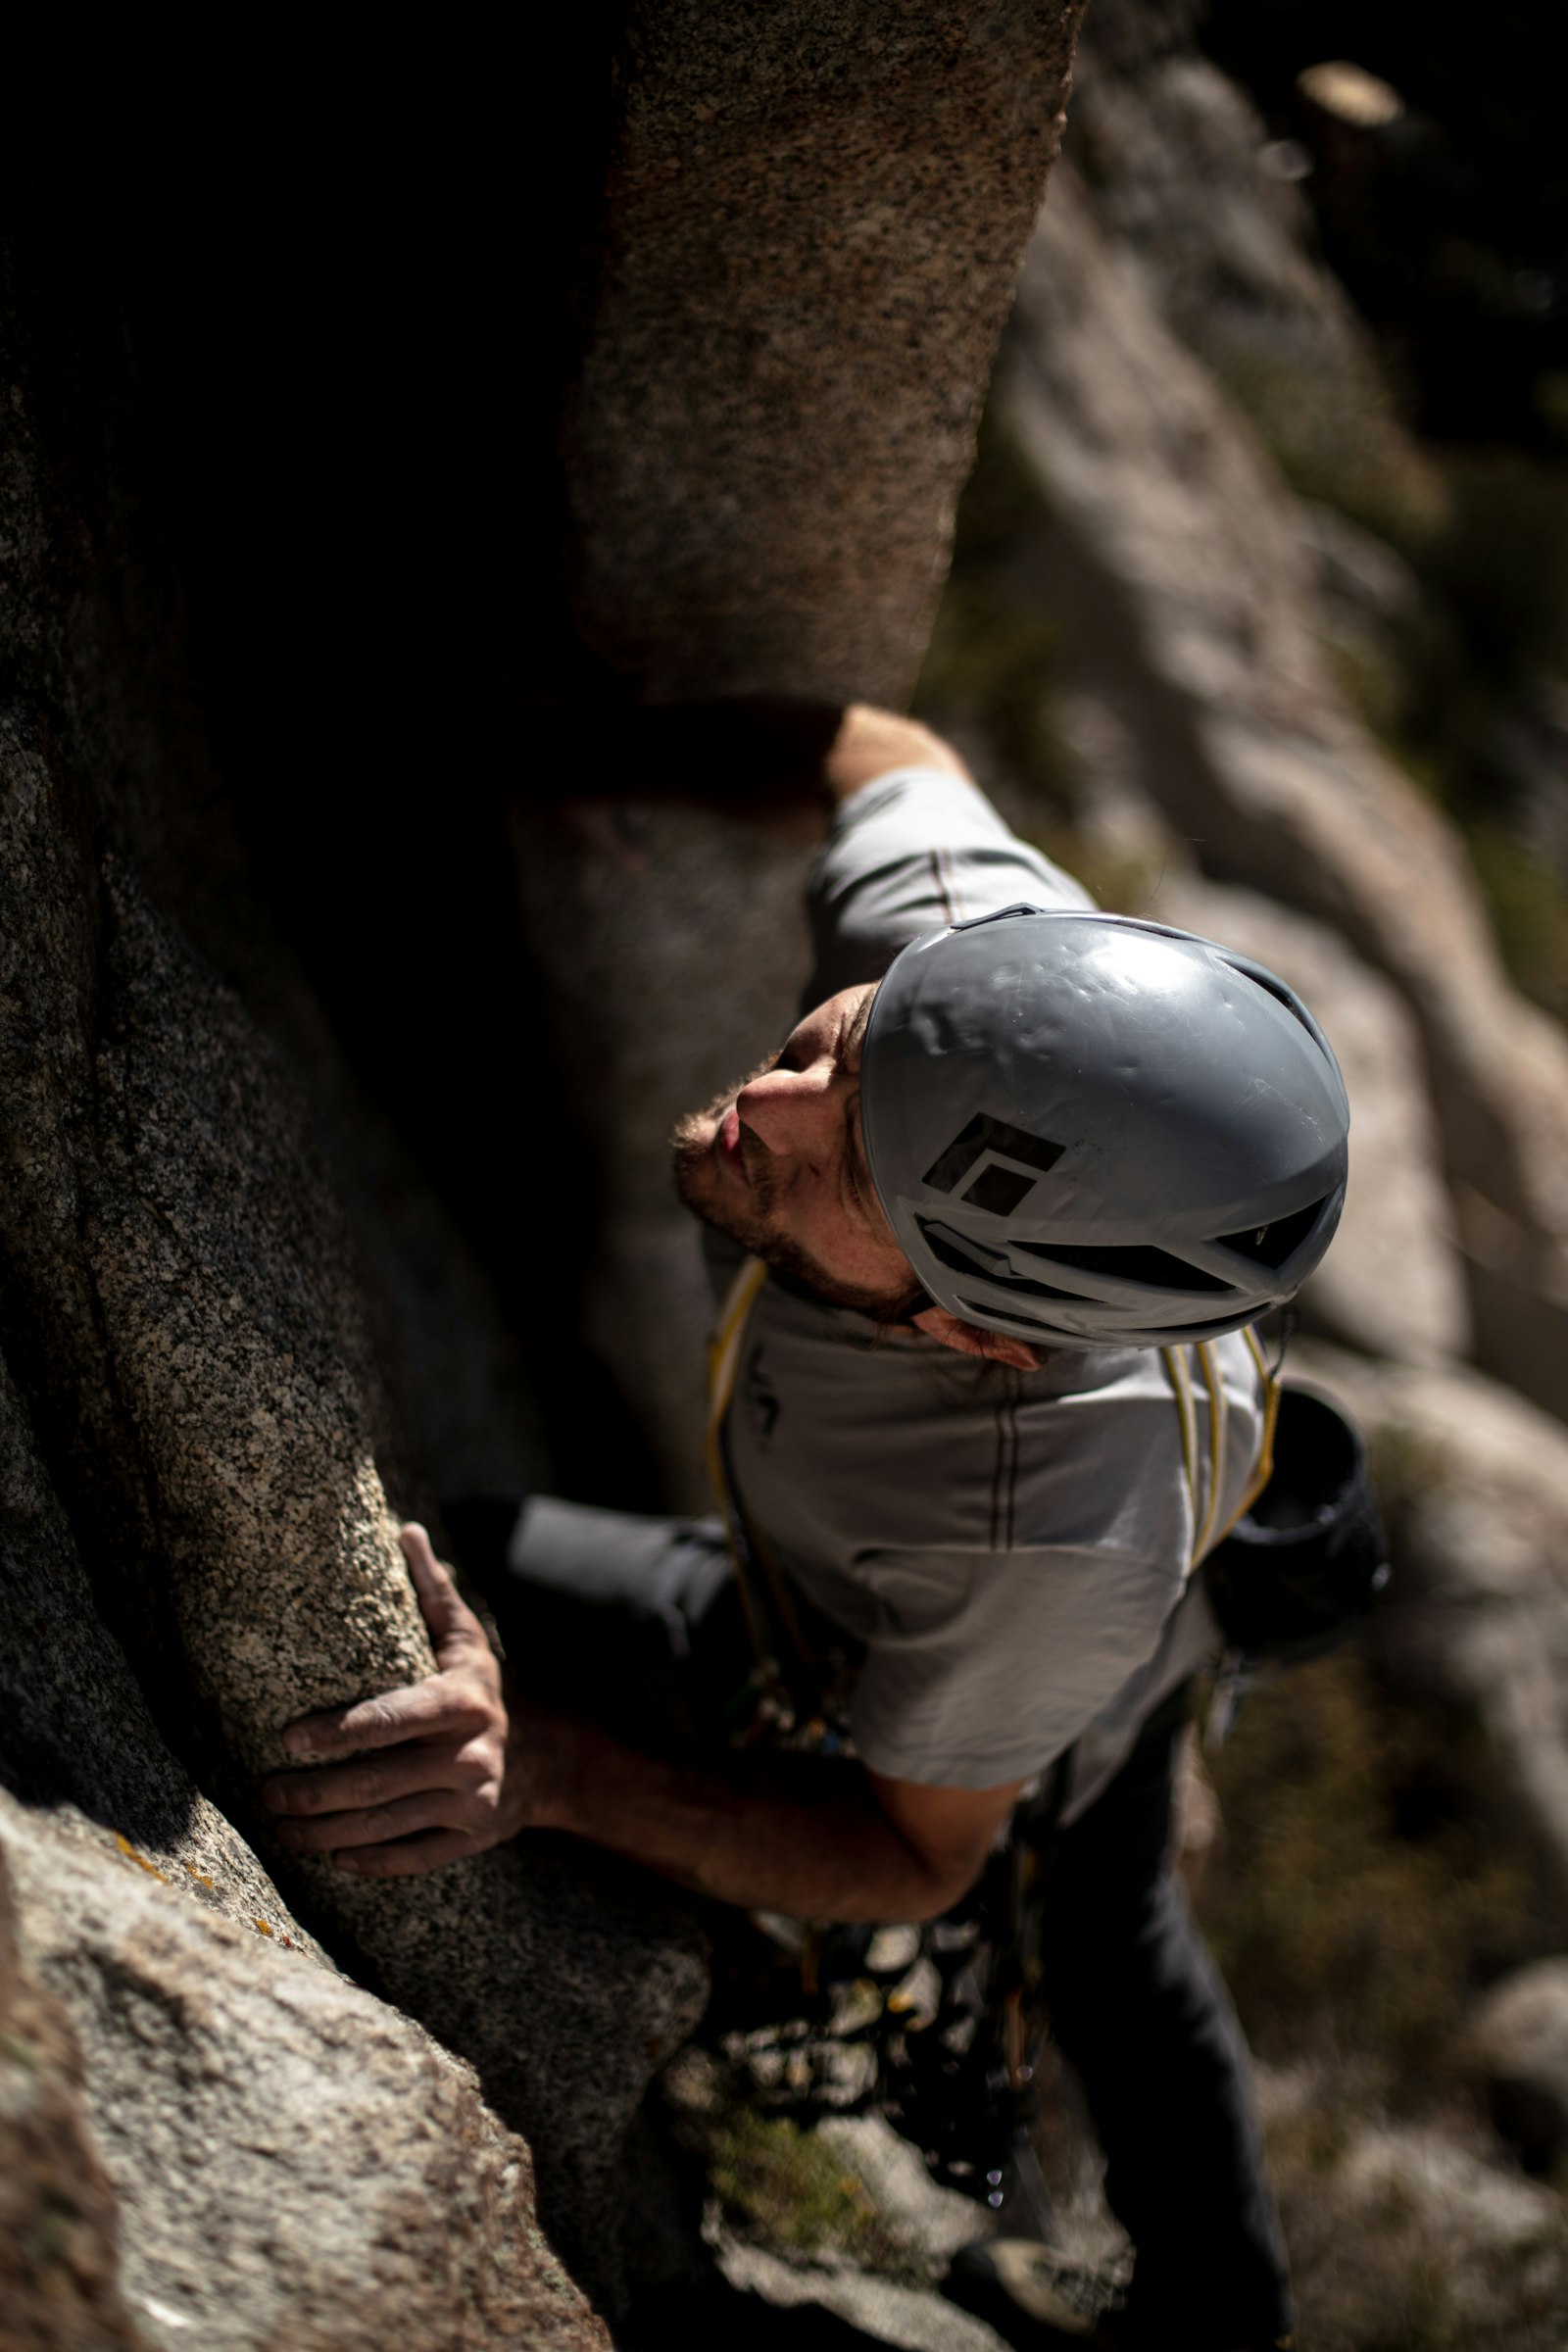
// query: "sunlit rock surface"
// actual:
[[283, 2158]]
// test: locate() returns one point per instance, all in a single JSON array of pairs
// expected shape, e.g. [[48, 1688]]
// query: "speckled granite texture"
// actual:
[[814, 220], [251, 2152], [74, 1729], [183, 1322], [201, 2122], [59, 2225], [182, 1282]]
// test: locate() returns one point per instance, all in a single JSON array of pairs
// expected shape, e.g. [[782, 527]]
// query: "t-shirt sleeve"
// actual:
[[985, 1666], [919, 849]]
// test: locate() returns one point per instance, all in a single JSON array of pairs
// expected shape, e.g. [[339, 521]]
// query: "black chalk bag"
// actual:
[[1296, 1574]]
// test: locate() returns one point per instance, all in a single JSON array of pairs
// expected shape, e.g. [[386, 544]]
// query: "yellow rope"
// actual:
[[723, 1361], [1217, 1414], [724, 1356], [1181, 1387], [1207, 1535], [1265, 1452]]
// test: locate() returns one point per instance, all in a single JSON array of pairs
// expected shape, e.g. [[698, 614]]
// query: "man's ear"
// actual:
[[969, 1340]]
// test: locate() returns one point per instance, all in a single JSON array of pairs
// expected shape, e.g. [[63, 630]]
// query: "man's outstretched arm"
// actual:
[[817, 1836], [444, 1769]]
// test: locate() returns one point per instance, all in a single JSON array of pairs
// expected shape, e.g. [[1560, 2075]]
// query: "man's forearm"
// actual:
[[802, 1834]]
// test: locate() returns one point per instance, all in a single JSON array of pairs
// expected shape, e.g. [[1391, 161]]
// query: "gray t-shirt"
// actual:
[[1011, 1548]]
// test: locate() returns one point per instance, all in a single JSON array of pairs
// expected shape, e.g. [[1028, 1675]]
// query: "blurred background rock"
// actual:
[[1259, 614]]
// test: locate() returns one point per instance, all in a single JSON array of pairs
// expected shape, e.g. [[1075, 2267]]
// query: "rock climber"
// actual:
[[994, 1224]]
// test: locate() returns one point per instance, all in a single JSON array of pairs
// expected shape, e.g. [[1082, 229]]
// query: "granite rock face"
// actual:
[[59, 2225], [287, 2159], [183, 1290], [1394, 2221], [1187, 187], [812, 225], [184, 1321], [199, 2098], [811, 235], [634, 945], [74, 1729]]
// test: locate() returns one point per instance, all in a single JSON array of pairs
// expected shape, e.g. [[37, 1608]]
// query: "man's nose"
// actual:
[[791, 1111]]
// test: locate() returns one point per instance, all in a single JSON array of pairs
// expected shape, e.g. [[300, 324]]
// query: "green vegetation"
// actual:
[[793, 2190], [1529, 909], [1499, 566], [1358, 1901]]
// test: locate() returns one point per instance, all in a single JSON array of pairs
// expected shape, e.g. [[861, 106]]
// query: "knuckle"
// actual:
[[369, 1786]]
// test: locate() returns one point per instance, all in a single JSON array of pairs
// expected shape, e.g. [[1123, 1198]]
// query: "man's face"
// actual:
[[779, 1162]]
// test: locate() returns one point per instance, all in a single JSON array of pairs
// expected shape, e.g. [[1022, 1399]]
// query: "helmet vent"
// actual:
[[1271, 1244], [1133, 1264], [943, 1246]]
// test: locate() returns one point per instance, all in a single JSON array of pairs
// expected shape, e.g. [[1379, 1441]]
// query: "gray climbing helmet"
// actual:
[[1096, 1132]]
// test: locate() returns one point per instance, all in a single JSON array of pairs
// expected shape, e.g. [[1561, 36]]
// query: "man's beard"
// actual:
[[750, 1220]]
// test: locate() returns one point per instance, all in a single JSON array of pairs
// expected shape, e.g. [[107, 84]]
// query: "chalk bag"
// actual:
[[1296, 1574]]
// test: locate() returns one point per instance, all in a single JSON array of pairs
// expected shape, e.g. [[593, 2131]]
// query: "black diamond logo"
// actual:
[[998, 1188]]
